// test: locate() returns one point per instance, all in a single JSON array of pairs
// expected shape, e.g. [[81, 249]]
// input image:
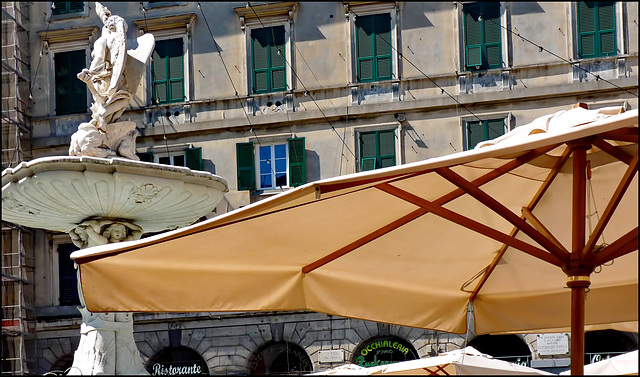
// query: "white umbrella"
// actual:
[[625, 364], [466, 361]]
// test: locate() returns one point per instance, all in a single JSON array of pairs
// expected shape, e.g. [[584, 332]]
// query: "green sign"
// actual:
[[384, 350]]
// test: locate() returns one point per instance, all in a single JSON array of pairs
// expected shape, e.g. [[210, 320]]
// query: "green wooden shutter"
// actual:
[[607, 29], [71, 93], [277, 60], [297, 162], [175, 69], [145, 156], [368, 151], [246, 166], [387, 148], [194, 158], [260, 57], [168, 71], [63, 7], [495, 128], [159, 73], [382, 42], [472, 37], [586, 30], [364, 48], [67, 278], [492, 34], [475, 133]]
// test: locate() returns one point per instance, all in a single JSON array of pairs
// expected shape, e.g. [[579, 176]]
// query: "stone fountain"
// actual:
[[101, 193]]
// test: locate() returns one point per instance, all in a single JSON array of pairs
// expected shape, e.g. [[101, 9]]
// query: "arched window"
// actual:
[[177, 360], [510, 348], [603, 344], [280, 358], [383, 350]]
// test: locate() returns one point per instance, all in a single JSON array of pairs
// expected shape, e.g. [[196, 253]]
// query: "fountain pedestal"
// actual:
[[99, 201]]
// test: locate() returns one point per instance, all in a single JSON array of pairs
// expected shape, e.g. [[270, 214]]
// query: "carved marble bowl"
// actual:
[[57, 193]]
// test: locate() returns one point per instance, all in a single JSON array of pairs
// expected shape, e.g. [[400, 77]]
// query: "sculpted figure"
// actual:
[[100, 232], [104, 77], [113, 75]]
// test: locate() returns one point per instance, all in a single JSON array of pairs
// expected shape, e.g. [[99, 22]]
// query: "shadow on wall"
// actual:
[[313, 166]]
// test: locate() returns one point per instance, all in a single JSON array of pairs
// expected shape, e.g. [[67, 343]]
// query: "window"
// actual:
[[267, 29], [271, 165], [482, 35], [70, 93], [481, 130], [167, 71], [175, 155], [596, 29], [268, 61], [66, 7], [377, 149], [67, 277], [373, 47]]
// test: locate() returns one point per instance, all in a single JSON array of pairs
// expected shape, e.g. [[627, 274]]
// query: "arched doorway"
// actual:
[[280, 358], [603, 344], [62, 364], [510, 348], [383, 350], [175, 361]]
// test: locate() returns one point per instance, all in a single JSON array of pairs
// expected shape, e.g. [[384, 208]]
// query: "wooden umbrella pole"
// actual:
[[578, 268], [578, 285]]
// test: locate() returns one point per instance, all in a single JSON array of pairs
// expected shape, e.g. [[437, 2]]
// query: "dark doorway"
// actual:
[[603, 344], [280, 358], [510, 348], [175, 361]]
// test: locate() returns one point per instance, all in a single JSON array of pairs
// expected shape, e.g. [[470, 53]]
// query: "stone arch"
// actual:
[[602, 344], [177, 360], [511, 348], [380, 350], [62, 364], [279, 358]]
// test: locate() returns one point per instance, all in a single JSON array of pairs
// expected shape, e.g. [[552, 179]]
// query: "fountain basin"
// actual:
[[58, 193]]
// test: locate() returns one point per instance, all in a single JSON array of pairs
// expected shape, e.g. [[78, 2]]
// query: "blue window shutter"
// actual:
[[297, 162], [194, 158], [246, 166]]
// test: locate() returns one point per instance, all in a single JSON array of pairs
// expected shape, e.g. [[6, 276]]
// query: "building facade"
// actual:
[[273, 95]]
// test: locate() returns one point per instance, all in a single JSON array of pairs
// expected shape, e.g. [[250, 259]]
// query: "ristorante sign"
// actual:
[[385, 350], [162, 369]]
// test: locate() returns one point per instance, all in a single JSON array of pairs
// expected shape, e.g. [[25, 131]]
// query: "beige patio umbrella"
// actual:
[[507, 227]]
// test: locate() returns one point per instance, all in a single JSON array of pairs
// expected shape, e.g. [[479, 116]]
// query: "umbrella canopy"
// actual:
[[507, 226], [466, 361], [625, 364]]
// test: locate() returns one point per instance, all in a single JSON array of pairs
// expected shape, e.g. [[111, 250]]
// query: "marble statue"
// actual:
[[112, 77]]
